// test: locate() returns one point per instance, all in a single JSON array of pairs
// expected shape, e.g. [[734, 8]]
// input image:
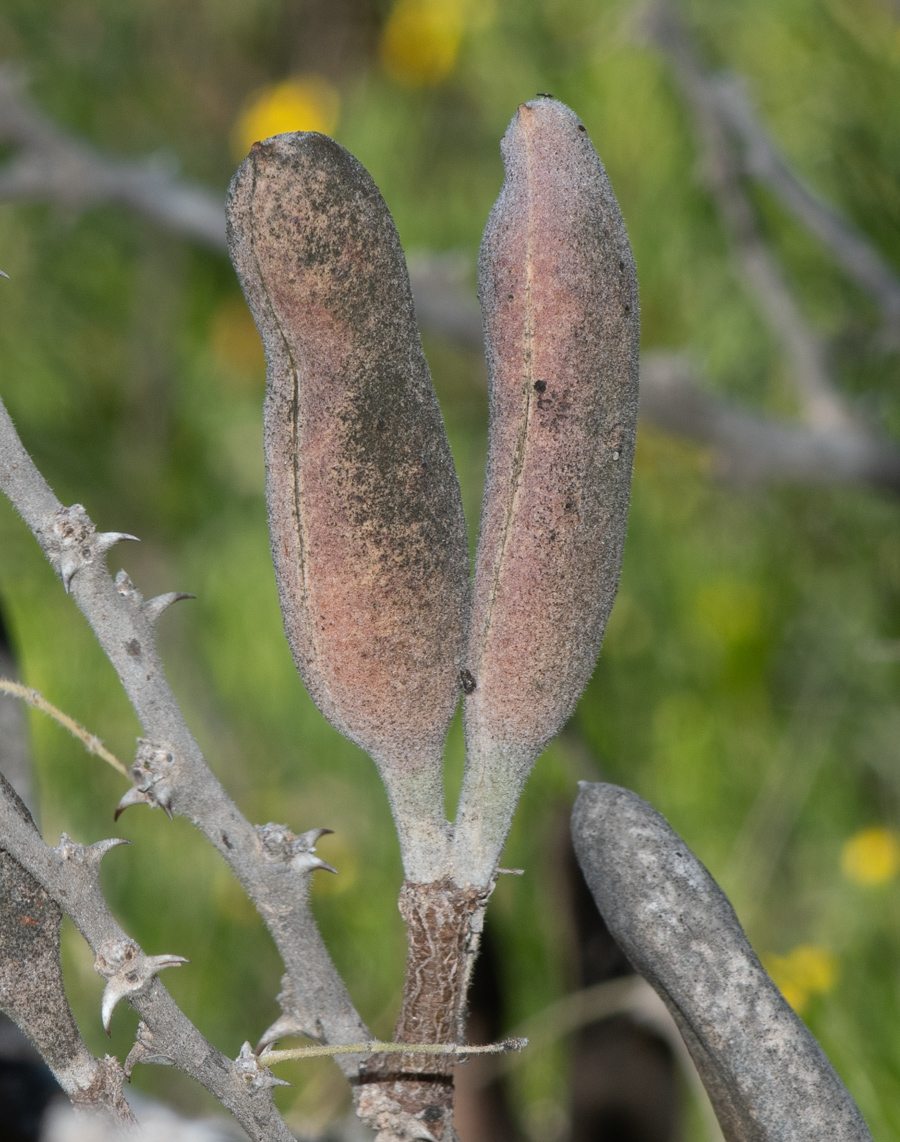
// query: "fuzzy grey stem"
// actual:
[[124, 627], [69, 876], [32, 991], [767, 1077]]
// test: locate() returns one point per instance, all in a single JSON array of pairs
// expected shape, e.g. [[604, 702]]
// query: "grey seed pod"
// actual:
[[559, 296], [365, 515]]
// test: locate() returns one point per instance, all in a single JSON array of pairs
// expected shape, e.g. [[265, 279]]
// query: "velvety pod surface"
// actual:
[[365, 514]]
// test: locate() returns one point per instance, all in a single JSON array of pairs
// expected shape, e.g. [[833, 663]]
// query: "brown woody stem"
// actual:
[[410, 1097]]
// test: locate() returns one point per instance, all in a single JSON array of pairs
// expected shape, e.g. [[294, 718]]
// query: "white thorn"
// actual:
[[310, 838], [134, 796], [67, 568], [104, 540], [284, 1026], [309, 862], [155, 607], [97, 851]]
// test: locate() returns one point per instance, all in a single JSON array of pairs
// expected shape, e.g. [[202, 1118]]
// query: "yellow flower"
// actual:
[[872, 856], [805, 971], [420, 42], [305, 103]]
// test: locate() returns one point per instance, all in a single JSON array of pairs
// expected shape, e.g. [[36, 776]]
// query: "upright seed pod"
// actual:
[[365, 515], [559, 296]]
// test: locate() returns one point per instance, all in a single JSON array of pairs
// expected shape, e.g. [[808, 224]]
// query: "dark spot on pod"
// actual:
[[226, 841], [621, 264], [540, 386], [628, 309], [467, 682], [510, 297], [581, 127], [133, 647]]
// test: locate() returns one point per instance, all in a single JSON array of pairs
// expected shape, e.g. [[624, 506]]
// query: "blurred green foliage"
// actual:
[[749, 682]]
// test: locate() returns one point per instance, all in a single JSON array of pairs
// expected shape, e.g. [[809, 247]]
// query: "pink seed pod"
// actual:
[[559, 296], [365, 515]]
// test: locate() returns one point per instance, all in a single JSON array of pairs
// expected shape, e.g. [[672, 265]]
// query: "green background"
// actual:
[[748, 685]]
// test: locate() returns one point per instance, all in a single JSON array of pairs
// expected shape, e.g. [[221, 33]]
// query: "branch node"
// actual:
[[290, 1022], [280, 844], [145, 1052], [72, 542], [127, 971], [257, 1077], [153, 774]]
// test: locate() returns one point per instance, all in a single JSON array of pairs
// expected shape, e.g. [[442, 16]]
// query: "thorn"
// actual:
[[134, 796], [153, 608], [283, 1027], [309, 862], [104, 540], [310, 838], [97, 851], [4, 274], [67, 568]]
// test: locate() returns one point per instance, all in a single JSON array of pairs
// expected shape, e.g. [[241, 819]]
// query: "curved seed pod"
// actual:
[[559, 295], [767, 1077], [365, 515]]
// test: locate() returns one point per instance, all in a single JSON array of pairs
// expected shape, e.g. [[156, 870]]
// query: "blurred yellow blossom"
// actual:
[[421, 40], [805, 971], [305, 103], [871, 856]]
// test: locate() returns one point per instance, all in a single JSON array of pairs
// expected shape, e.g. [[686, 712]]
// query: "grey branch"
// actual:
[[763, 161], [69, 874], [821, 405], [170, 769], [51, 165], [833, 449], [767, 1077], [31, 985], [749, 448]]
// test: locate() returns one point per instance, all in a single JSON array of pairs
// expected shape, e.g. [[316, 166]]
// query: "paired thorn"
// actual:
[[127, 971], [256, 1076], [75, 543], [152, 773], [279, 843]]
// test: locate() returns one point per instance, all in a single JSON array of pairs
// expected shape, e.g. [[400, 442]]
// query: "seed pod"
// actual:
[[365, 515], [559, 296]]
